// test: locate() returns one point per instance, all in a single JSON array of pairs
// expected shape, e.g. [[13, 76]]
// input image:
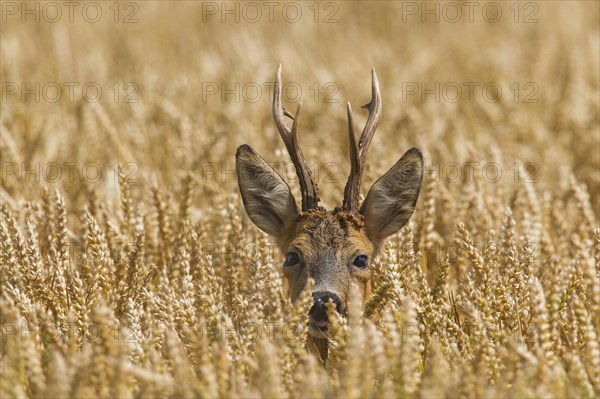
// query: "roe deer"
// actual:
[[332, 247]]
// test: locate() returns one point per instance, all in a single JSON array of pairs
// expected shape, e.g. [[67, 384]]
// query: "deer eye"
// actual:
[[361, 261], [291, 259]]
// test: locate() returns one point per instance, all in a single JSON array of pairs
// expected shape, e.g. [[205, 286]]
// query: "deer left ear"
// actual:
[[266, 196], [391, 200]]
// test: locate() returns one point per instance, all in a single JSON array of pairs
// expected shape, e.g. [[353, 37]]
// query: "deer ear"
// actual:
[[392, 199], [266, 196]]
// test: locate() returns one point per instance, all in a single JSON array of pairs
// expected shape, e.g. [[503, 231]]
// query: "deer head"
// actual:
[[334, 247]]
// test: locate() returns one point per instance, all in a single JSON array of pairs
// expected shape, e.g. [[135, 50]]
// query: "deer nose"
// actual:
[[318, 311]]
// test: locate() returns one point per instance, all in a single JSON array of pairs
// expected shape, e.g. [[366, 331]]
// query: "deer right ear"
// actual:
[[266, 196], [391, 200]]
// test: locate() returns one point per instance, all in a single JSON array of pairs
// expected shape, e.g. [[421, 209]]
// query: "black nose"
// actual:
[[318, 311]]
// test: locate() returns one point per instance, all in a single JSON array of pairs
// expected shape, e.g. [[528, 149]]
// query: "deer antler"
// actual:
[[308, 188], [358, 151]]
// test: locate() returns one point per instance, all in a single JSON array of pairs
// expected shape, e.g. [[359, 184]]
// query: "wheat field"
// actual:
[[130, 269]]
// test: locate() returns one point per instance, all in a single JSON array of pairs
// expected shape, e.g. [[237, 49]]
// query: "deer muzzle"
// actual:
[[318, 312]]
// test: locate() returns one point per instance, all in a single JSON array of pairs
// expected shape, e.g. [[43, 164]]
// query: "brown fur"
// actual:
[[328, 243]]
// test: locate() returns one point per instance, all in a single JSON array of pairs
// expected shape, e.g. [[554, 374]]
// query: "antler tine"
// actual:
[[352, 186], [358, 151], [308, 188]]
